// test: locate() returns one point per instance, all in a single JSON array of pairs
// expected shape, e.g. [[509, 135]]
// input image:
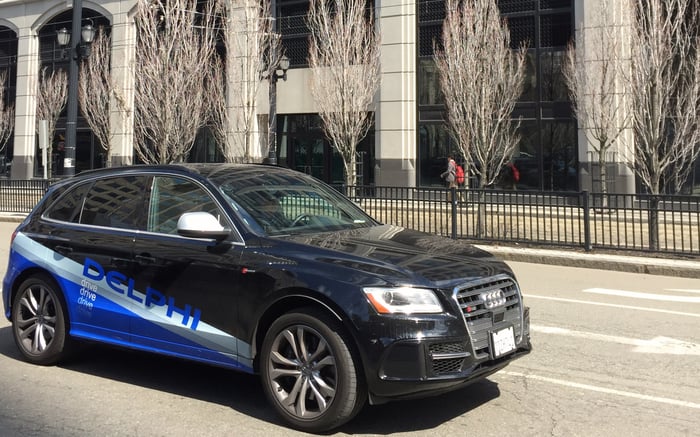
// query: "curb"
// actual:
[[631, 264], [12, 217]]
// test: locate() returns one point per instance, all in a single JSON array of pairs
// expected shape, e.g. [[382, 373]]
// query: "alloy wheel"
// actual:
[[36, 319], [302, 370]]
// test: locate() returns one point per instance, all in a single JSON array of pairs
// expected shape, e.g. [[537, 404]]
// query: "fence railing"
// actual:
[[634, 222], [21, 195]]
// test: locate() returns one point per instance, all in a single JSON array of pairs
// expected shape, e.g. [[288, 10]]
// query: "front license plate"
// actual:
[[503, 341]]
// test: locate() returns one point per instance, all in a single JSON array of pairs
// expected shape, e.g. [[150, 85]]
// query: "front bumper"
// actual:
[[420, 367], [395, 389]]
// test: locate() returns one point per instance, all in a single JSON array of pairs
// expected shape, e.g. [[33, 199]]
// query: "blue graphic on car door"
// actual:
[[97, 298]]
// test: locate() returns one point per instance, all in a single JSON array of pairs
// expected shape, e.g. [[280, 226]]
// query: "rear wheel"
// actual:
[[39, 322], [309, 373]]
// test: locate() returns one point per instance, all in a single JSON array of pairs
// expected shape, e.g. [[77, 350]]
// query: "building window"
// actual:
[[435, 144], [508, 6], [430, 93], [291, 24], [303, 146], [522, 31], [8, 65], [205, 148], [548, 149]]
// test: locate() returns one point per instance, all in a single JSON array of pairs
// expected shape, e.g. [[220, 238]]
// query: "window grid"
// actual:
[[546, 26]]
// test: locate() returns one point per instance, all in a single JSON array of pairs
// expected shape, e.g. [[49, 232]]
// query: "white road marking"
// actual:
[[595, 388], [612, 305], [648, 296], [684, 290], [657, 345]]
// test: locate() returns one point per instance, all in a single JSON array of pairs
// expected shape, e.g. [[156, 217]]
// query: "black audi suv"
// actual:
[[264, 270]]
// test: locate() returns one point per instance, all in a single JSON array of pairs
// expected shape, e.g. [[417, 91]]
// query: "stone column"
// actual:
[[588, 21], [122, 105], [25, 104], [395, 148]]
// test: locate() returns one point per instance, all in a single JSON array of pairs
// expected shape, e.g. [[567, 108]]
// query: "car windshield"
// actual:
[[287, 203]]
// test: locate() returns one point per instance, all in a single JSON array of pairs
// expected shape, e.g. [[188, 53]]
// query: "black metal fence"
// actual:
[[633, 222], [21, 195]]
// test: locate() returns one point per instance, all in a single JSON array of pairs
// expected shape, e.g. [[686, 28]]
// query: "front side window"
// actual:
[[292, 205], [173, 196]]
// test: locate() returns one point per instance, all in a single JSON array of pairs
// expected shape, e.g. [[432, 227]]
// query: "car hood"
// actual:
[[401, 255]]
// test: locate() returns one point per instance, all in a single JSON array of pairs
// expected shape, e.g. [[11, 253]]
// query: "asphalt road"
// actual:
[[616, 354]]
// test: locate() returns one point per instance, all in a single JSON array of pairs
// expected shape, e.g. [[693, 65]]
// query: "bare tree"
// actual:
[[344, 54], [51, 99], [482, 79], [218, 116], [665, 92], [7, 113], [594, 72], [96, 91], [175, 47], [247, 35]]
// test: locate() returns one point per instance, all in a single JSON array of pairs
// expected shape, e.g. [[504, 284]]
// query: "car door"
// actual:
[[188, 284], [90, 234]]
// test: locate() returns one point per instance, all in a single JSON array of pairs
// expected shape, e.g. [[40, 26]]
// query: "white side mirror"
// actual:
[[201, 225]]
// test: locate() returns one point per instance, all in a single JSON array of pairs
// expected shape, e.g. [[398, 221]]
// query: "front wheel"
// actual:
[[309, 373], [39, 322]]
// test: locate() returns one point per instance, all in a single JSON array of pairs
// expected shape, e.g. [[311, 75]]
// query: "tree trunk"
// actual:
[[602, 164], [654, 222], [481, 227]]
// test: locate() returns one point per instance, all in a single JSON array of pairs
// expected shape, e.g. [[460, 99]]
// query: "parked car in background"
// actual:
[[263, 270]]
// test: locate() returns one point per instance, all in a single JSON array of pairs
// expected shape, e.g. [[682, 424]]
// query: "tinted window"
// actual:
[[67, 208], [289, 203], [171, 197], [114, 202]]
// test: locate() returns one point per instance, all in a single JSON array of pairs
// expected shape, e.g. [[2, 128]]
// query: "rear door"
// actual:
[[90, 234]]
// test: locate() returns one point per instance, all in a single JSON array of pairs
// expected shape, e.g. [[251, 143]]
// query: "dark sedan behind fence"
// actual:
[[634, 222]]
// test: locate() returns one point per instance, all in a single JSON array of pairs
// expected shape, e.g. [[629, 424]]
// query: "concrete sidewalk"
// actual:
[[562, 257]]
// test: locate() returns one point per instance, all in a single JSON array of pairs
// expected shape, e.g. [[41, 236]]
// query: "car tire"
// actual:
[[39, 322], [309, 373]]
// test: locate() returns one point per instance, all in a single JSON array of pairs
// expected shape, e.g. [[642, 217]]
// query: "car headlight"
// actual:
[[404, 300]]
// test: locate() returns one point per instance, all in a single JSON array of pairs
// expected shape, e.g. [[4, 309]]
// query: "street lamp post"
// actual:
[[79, 49], [275, 75]]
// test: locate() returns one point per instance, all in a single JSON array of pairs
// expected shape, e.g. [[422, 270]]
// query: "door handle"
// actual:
[[64, 250], [145, 259], [121, 262]]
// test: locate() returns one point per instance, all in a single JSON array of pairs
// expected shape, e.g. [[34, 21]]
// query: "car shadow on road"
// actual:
[[422, 414], [243, 392]]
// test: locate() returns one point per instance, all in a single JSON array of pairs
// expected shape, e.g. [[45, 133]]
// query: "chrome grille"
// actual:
[[481, 320]]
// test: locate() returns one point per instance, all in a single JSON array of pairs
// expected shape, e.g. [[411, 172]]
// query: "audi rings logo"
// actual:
[[493, 299]]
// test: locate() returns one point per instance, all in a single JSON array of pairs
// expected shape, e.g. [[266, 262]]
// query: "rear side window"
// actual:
[[115, 202], [68, 207]]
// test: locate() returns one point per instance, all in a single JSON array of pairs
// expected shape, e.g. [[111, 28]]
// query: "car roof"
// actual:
[[205, 170]]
